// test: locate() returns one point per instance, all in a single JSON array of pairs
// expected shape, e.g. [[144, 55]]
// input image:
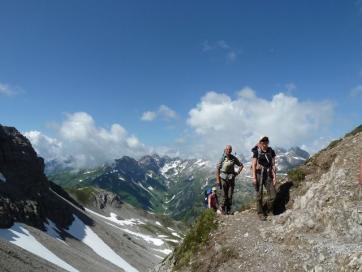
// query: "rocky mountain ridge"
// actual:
[[319, 231], [43, 228]]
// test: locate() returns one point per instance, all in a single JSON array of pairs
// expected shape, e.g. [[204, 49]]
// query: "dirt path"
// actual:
[[239, 245]]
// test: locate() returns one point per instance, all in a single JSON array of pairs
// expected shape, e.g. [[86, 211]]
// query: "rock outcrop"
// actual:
[[26, 195]]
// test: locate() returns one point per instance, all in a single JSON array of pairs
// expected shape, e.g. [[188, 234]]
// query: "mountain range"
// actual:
[[170, 186]]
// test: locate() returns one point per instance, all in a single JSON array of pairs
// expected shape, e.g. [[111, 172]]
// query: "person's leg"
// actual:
[[230, 194], [271, 193], [259, 195], [225, 189]]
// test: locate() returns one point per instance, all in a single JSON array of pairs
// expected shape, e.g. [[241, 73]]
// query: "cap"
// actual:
[[213, 189]]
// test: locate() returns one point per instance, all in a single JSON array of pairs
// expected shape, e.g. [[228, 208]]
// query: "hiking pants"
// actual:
[[227, 194], [263, 179]]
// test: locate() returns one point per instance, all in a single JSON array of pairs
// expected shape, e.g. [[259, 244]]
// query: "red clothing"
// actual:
[[213, 201]]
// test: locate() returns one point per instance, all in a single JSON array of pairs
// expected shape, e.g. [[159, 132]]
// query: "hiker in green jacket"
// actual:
[[264, 174], [225, 177]]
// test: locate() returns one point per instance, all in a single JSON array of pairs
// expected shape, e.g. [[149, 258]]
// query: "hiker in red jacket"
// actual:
[[212, 200]]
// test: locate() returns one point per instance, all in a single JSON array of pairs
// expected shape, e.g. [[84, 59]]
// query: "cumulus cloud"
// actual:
[[48, 147], [164, 112], [79, 137], [149, 116], [219, 119]]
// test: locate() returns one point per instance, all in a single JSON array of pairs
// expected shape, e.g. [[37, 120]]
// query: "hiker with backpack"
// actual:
[[225, 177], [212, 200], [264, 174]]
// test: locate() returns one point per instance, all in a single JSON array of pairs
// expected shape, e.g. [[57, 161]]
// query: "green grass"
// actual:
[[196, 237], [355, 131], [296, 176], [83, 195]]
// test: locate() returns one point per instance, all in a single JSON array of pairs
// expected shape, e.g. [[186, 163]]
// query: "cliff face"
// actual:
[[25, 194], [321, 230]]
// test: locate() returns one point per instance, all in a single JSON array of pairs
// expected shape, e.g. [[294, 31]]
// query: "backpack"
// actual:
[[267, 155], [207, 192]]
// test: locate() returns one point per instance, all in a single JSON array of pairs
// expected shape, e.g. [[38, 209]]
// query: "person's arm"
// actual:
[[239, 164], [218, 167], [218, 175], [209, 201], [253, 170]]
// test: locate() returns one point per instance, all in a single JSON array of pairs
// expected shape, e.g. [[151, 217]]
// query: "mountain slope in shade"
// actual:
[[45, 229]]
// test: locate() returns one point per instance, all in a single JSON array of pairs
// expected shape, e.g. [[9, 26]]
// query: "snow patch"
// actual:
[[164, 251], [148, 239], [21, 237], [85, 234], [176, 234], [172, 240], [121, 178], [158, 223], [172, 198], [2, 177], [144, 188], [113, 218]]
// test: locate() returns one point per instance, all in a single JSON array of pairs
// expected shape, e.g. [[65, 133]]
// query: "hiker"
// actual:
[[212, 200], [264, 174], [225, 177]]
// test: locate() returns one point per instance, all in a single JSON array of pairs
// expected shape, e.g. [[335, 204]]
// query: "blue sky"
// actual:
[[115, 60]]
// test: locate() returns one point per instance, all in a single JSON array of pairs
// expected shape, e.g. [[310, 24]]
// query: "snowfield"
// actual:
[[85, 234], [21, 237]]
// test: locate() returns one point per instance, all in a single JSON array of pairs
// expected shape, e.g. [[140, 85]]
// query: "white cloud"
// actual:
[[317, 144], [356, 91], [163, 112], [79, 137], [49, 148], [219, 120], [166, 112], [6, 90], [149, 116]]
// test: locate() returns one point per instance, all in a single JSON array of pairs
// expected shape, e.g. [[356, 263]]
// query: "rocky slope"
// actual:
[[44, 229], [25, 192], [320, 231]]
